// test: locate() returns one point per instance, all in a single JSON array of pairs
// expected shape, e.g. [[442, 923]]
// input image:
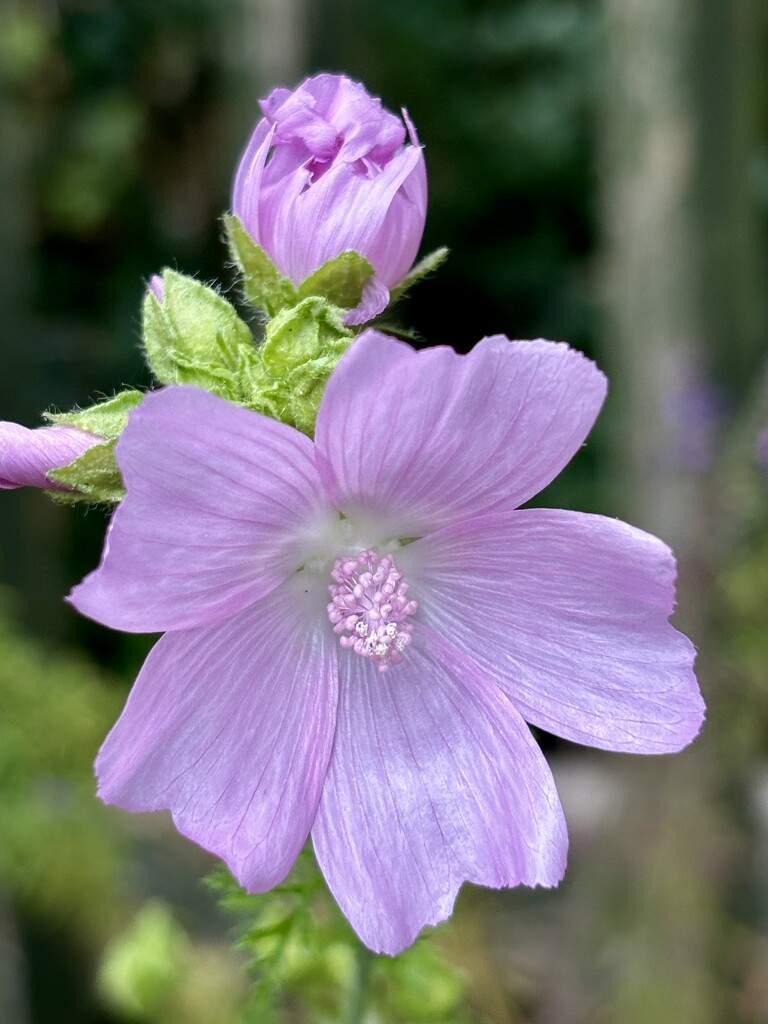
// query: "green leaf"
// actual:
[[144, 967], [194, 336], [301, 349], [302, 333], [263, 284], [157, 338], [108, 418], [423, 268], [93, 477], [340, 280], [302, 954]]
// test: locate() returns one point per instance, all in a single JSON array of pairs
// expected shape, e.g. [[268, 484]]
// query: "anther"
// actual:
[[369, 607]]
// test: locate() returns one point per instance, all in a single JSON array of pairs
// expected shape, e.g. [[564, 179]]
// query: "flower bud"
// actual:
[[327, 170], [27, 456], [157, 287]]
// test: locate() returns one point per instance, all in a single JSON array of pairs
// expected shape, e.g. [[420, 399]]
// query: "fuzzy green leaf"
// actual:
[[301, 349], [263, 284], [107, 418], [93, 477], [302, 333], [194, 336], [423, 268], [158, 338], [340, 280]]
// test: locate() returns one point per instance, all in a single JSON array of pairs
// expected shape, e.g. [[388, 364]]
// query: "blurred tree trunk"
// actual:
[[270, 45], [682, 318], [680, 257], [265, 46]]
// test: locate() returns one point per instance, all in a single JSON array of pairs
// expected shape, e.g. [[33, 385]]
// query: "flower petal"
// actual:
[[27, 455], [434, 780], [394, 249], [375, 299], [433, 437], [231, 728], [219, 500], [246, 190], [567, 613], [303, 226]]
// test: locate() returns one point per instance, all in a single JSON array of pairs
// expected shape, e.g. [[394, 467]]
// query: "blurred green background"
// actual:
[[599, 169]]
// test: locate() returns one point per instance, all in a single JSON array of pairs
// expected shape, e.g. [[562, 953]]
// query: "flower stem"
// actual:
[[358, 997]]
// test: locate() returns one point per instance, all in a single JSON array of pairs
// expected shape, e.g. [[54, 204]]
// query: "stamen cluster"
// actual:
[[369, 607]]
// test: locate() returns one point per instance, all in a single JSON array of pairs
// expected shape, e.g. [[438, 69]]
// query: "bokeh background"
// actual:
[[599, 170]]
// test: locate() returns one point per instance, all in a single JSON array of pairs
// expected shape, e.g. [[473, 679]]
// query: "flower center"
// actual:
[[369, 607]]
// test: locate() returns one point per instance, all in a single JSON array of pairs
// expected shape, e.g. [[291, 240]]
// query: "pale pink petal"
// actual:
[[246, 191], [327, 170], [157, 287], [26, 456], [434, 780], [230, 728], [375, 299], [295, 119], [397, 243], [420, 440], [567, 612], [302, 227], [219, 501]]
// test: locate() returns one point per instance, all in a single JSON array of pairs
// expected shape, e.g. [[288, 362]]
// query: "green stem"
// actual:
[[358, 997]]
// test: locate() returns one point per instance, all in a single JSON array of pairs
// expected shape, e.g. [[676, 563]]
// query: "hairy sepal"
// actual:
[[263, 284], [422, 269], [302, 346], [94, 477], [194, 336], [340, 280], [107, 418]]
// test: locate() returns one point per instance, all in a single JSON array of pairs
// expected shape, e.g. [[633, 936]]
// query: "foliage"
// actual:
[[56, 709], [154, 972], [303, 955]]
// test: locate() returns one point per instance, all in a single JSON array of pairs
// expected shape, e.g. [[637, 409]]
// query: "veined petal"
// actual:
[[230, 728], [305, 226], [426, 439], [394, 249], [246, 191], [26, 456], [374, 300], [567, 613], [219, 500], [434, 780]]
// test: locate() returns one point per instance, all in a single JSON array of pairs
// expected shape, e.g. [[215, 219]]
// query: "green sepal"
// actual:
[[194, 336], [108, 418], [341, 280], [263, 284], [300, 351], [423, 268], [94, 477]]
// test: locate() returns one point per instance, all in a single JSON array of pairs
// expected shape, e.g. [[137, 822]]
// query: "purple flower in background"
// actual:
[[327, 169], [693, 406], [26, 456], [357, 629]]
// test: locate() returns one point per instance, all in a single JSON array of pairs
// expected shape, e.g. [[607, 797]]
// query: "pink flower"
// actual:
[[359, 627], [327, 170], [26, 456]]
